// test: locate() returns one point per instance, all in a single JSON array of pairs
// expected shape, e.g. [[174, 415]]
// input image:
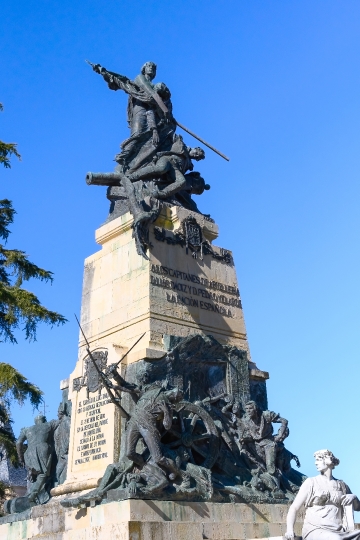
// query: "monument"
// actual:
[[165, 430]]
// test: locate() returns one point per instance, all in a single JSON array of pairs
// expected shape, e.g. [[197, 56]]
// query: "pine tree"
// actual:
[[17, 306]]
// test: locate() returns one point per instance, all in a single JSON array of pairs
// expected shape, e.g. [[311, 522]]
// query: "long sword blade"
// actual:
[[202, 140]]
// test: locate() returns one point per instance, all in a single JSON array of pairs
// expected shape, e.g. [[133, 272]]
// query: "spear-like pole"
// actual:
[[115, 400], [131, 348]]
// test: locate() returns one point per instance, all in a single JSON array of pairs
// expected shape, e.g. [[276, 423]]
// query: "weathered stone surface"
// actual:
[[145, 520], [275, 538], [173, 293], [94, 439]]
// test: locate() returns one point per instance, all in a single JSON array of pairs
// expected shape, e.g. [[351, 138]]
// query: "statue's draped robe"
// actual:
[[38, 455], [61, 439], [143, 116], [326, 522]]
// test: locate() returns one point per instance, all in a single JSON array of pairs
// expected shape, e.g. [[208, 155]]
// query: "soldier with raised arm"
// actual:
[[154, 407], [147, 112]]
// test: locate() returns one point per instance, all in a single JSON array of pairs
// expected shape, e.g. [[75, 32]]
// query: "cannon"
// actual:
[[103, 179], [195, 184]]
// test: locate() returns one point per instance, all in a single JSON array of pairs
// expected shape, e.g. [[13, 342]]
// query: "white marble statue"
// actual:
[[329, 504]]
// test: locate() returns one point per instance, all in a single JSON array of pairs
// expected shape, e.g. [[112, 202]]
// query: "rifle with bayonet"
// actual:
[[99, 69]]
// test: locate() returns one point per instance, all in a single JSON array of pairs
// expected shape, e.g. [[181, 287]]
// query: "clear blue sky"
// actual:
[[274, 84]]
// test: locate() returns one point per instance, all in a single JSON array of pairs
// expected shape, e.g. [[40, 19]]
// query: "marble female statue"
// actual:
[[328, 502]]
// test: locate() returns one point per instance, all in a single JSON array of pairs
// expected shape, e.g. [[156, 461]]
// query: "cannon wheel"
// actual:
[[194, 428]]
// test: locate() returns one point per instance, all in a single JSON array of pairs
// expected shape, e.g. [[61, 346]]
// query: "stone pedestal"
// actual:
[[172, 293], [186, 288], [149, 520], [177, 292]]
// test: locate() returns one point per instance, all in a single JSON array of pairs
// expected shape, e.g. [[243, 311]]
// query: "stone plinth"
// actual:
[[149, 520], [94, 440], [173, 293], [276, 538]]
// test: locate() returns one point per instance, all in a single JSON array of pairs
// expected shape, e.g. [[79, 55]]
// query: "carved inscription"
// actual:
[[91, 443], [200, 292], [185, 239]]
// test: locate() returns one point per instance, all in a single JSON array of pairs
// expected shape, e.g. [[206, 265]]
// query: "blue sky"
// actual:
[[274, 84]]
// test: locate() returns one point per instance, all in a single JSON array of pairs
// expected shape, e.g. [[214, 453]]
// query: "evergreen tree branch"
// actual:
[[6, 151], [8, 446], [7, 213], [18, 306], [21, 267], [14, 386], [4, 414]]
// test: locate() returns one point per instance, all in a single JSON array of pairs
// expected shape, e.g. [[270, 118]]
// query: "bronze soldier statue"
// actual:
[[38, 456], [170, 167], [154, 407], [61, 440], [257, 433]]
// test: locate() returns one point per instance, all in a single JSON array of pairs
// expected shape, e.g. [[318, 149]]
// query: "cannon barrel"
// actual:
[[103, 179]]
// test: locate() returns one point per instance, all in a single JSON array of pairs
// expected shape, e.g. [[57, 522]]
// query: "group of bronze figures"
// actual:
[[186, 437], [43, 449], [194, 427], [154, 166]]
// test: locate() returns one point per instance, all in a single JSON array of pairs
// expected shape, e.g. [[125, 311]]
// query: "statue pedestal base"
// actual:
[[186, 287], [181, 290], [147, 520]]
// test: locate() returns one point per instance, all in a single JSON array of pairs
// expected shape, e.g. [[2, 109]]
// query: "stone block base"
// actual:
[[148, 520], [276, 538]]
